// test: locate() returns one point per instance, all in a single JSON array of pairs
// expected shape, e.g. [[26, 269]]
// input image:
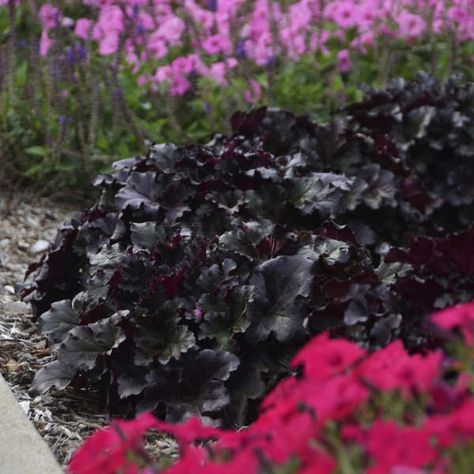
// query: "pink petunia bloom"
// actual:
[[107, 449], [335, 399], [314, 461], [324, 358], [392, 446], [392, 368], [353, 433], [457, 317], [452, 428], [406, 470], [445, 398]]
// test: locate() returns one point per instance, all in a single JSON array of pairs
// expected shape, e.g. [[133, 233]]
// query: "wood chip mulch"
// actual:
[[63, 418]]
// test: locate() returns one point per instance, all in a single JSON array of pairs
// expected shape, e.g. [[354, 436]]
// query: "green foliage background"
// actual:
[[61, 123]]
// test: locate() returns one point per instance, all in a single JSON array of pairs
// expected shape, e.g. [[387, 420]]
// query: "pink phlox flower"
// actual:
[[49, 15], [109, 44], [83, 28], [346, 15], [45, 43], [299, 16], [410, 26], [183, 64], [171, 30], [217, 72], [163, 73], [318, 42], [212, 44], [231, 62], [179, 85], [202, 17], [144, 79], [254, 93], [363, 42], [344, 62], [111, 20], [157, 46]]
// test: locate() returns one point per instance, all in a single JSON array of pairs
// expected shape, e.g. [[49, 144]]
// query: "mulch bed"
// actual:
[[63, 418]]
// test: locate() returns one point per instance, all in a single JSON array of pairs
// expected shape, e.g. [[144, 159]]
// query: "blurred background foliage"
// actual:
[[68, 114]]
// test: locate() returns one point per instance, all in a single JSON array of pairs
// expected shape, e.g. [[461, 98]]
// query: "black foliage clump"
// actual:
[[202, 269]]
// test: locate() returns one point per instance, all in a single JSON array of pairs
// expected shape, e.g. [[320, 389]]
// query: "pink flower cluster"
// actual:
[[332, 407], [213, 38]]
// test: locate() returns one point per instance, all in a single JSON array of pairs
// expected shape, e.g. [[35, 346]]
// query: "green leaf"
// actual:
[[36, 151]]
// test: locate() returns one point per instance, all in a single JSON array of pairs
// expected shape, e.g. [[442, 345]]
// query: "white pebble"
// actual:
[[39, 246]]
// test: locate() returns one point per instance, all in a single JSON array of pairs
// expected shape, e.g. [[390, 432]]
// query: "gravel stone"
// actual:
[[39, 246], [16, 307], [22, 245]]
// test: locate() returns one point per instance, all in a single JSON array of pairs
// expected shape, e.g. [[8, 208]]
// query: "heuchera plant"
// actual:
[[343, 410], [202, 270]]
